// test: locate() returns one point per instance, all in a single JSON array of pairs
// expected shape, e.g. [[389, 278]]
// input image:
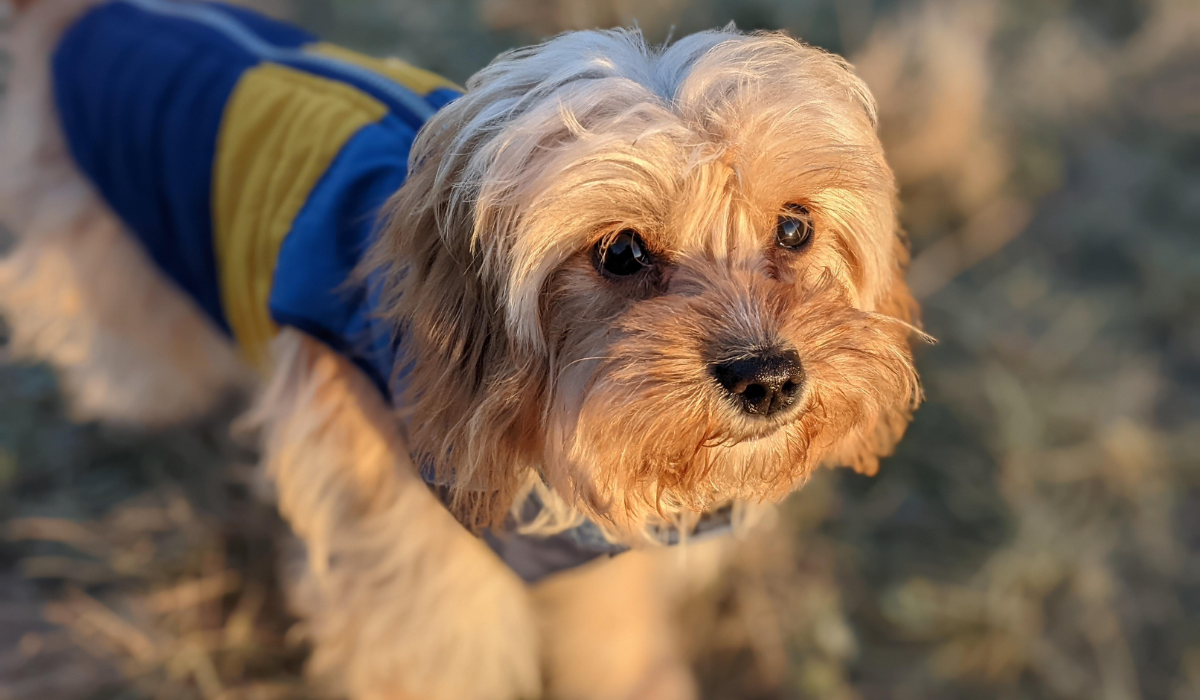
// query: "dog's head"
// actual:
[[662, 279]]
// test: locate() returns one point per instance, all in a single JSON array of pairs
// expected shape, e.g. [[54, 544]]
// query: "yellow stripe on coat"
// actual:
[[280, 132]]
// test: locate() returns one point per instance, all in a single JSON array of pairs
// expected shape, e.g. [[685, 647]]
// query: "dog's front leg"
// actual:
[[610, 630], [399, 599]]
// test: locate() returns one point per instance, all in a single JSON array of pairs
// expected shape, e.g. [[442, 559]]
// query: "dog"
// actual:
[[520, 352]]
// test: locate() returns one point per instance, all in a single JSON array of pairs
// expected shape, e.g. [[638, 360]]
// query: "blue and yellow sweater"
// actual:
[[250, 160]]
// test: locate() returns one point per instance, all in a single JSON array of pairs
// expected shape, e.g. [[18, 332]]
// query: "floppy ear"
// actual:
[[895, 298], [473, 397], [899, 395]]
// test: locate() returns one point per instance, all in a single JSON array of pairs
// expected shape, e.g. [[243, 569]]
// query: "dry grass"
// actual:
[[140, 566], [1038, 534]]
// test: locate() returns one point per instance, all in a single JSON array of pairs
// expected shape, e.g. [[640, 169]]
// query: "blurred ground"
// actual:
[[1036, 536]]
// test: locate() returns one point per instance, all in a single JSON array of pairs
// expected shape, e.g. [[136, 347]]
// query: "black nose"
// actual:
[[764, 383]]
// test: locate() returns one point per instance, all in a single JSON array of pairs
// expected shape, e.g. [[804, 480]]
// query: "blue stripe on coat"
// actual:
[[314, 288]]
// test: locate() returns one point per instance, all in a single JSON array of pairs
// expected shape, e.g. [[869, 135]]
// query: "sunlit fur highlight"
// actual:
[[526, 359], [398, 599]]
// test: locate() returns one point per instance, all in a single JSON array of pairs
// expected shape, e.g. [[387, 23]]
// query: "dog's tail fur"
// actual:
[[77, 290]]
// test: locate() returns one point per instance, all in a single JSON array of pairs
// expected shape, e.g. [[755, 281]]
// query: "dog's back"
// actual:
[[245, 159]]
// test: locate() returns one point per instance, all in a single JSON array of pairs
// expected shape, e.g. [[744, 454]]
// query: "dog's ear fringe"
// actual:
[[897, 300], [864, 452], [471, 396]]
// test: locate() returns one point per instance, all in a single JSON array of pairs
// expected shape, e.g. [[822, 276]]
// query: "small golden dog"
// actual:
[[627, 288]]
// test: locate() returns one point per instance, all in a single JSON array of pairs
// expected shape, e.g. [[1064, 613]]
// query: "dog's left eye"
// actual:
[[625, 255], [795, 228]]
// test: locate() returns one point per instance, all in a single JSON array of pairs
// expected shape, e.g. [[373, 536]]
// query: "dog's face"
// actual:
[[664, 280]]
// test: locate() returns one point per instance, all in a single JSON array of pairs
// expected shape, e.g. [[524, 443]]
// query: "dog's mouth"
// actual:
[[747, 430]]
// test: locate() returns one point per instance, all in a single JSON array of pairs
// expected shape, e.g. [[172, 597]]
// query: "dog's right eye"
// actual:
[[795, 228], [624, 255]]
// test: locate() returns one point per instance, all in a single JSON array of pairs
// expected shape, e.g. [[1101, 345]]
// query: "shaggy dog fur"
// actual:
[[532, 370]]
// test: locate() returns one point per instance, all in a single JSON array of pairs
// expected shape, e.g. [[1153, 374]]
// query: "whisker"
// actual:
[[901, 322], [587, 359]]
